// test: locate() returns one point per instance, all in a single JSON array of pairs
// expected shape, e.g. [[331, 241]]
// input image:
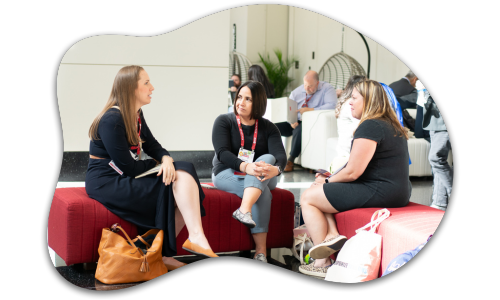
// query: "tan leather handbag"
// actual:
[[121, 262]]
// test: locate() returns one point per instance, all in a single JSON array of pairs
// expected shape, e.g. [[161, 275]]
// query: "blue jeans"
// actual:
[[261, 210], [442, 171]]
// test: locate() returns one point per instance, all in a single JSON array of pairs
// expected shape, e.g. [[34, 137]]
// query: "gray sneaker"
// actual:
[[246, 219], [260, 257]]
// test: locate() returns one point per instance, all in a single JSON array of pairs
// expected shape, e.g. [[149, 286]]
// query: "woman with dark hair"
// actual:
[[249, 155], [346, 124], [376, 174], [256, 73], [168, 201]]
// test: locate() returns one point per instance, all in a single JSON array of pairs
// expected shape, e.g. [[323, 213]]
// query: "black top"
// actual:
[[227, 142], [113, 144], [390, 160]]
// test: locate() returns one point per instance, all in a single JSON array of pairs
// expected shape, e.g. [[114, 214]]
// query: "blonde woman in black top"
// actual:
[[376, 175]]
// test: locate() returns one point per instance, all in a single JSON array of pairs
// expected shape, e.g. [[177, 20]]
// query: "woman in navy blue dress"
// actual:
[[168, 201]]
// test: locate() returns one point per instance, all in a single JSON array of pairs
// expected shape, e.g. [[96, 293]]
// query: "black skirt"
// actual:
[[145, 202], [344, 196]]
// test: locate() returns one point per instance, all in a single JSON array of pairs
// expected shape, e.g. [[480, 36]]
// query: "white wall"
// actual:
[[310, 31], [299, 32], [260, 29], [188, 68]]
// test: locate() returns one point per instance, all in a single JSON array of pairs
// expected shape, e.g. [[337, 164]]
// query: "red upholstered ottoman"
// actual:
[[76, 222], [406, 228]]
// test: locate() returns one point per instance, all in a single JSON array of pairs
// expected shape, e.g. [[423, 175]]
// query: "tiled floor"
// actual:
[[296, 182]]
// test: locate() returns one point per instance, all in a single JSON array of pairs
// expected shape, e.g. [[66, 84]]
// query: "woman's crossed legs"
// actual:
[[318, 217], [187, 212]]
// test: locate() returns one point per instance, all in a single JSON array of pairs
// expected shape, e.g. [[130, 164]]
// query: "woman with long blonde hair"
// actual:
[[376, 175], [168, 201]]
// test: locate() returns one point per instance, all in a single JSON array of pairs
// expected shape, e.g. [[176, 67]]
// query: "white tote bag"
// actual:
[[359, 259]]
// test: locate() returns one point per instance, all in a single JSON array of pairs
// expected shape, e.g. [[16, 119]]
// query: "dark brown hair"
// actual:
[[259, 99], [256, 73]]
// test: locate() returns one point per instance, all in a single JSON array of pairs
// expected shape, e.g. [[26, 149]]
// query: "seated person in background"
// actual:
[[256, 73], [240, 138], [346, 124], [236, 78], [405, 91], [312, 95], [377, 175], [420, 132]]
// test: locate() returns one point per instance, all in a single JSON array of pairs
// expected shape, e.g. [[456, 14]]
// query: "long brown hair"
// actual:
[[376, 105], [123, 96]]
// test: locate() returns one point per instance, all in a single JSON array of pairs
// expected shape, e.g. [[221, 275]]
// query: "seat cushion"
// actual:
[[76, 222], [406, 228], [225, 234], [75, 225]]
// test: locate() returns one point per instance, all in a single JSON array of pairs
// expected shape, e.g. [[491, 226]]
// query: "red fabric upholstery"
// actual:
[[76, 222], [406, 228]]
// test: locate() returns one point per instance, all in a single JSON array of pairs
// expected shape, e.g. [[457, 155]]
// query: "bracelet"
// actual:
[[245, 168]]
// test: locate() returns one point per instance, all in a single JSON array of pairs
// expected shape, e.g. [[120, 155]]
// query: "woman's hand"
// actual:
[[320, 179], [265, 171], [167, 169]]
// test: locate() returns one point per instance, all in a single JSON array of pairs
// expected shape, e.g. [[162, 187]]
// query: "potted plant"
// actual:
[[277, 72]]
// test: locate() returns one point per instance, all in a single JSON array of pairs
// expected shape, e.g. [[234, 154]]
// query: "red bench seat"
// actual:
[[76, 222], [406, 228]]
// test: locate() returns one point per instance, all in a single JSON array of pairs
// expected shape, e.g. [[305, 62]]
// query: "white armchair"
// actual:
[[319, 144], [317, 127]]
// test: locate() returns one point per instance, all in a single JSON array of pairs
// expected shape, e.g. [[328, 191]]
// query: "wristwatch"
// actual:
[[279, 170], [326, 180]]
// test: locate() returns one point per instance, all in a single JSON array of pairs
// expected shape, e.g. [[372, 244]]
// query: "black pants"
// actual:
[[286, 130], [419, 131]]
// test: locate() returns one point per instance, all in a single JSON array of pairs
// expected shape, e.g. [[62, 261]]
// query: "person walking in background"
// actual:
[[438, 154]]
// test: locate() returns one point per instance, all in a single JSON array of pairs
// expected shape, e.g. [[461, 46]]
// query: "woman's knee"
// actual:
[[305, 197], [267, 158]]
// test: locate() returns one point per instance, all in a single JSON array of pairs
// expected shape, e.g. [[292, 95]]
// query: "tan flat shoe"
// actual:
[[172, 267], [198, 250]]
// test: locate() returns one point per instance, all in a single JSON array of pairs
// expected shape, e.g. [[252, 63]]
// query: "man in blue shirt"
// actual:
[[312, 95]]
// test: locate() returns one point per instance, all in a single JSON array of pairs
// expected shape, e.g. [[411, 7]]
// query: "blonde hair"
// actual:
[[123, 96], [376, 105]]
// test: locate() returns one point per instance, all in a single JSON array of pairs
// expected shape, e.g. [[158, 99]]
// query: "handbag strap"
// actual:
[[377, 218], [301, 239], [144, 241], [117, 227]]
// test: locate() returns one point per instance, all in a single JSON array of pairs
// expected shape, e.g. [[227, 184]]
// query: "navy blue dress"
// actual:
[[146, 201]]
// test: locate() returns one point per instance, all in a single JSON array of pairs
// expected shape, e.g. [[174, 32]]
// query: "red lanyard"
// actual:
[[138, 147], [307, 100], [254, 133]]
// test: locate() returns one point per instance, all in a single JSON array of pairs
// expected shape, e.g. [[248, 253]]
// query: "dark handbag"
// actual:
[[408, 120]]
